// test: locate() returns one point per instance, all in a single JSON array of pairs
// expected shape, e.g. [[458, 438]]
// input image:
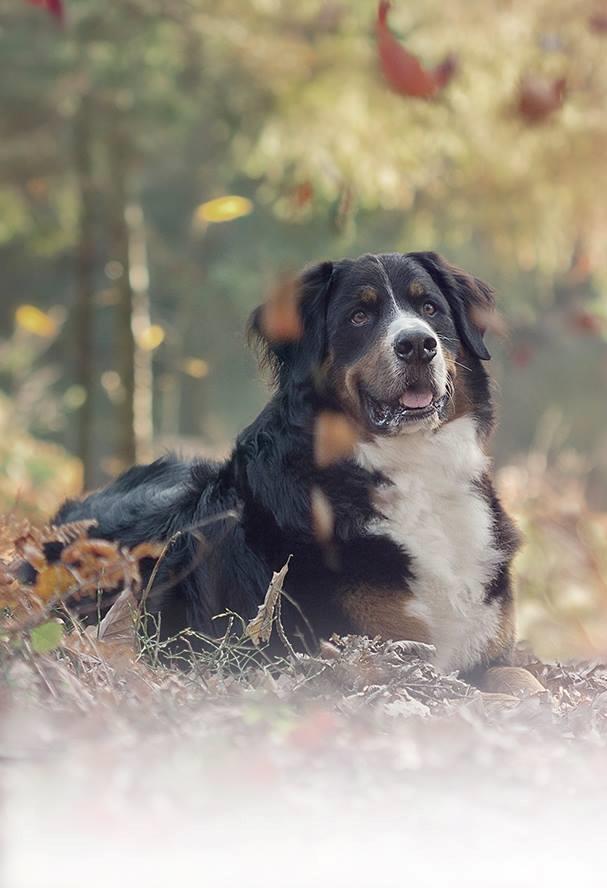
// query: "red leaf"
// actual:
[[598, 23], [303, 194], [55, 7], [583, 321], [521, 355], [539, 97], [402, 70]]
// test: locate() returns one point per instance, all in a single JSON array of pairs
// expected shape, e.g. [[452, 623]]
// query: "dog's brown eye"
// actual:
[[359, 318], [429, 308]]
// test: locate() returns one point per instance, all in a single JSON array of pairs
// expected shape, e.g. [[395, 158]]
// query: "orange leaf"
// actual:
[[323, 519], [334, 438], [280, 318], [54, 581], [402, 70]]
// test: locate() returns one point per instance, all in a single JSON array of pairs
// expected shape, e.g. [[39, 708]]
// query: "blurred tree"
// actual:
[[159, 106]]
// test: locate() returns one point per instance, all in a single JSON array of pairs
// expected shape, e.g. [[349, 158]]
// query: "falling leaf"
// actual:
[[598, 22], [223, 209], [195, 367], [334, 438], [323, 519], [303, 194], [55, 7], [584, 321], [151, 337], [35, 321], [280, 317], [489, 320], [402, 70], [540, 97], [521, 355], [46, 637]]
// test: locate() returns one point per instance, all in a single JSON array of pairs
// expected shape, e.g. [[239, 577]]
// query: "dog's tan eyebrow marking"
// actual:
[[367, 294], [416, 289]]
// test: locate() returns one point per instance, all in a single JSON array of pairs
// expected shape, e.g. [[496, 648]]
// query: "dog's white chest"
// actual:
[[434, 510]]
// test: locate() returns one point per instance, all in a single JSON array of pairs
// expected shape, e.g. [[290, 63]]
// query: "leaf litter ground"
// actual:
[[360, 766]]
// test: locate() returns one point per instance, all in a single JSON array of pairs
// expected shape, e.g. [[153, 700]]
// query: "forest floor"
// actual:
[[364, 766]]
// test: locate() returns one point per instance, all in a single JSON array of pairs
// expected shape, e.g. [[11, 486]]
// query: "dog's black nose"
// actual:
[[412, 347]]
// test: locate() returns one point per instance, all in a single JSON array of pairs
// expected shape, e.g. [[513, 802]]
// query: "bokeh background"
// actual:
[[163, 161]]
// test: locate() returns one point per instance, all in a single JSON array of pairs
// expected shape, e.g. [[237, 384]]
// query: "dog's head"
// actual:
[[384, 337]]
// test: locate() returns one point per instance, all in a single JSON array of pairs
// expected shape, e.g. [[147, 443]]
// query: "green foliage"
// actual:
[[46, 637]]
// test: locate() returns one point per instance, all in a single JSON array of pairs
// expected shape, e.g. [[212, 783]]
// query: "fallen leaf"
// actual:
[[54, 581], [334, 438], [402, 70], [259, 629], [46, 637]]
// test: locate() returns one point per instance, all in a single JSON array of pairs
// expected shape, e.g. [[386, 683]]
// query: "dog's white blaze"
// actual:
[[407, 322], [434, 512]]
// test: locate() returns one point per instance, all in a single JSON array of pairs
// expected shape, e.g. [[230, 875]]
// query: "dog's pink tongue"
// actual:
[[415, 401]]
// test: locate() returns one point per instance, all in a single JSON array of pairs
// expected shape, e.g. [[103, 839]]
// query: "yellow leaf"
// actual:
[[223, 209], [196, 367], [151, 337], [31, 319]]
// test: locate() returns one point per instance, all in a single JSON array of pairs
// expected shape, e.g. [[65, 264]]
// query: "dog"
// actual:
[[419, 547]]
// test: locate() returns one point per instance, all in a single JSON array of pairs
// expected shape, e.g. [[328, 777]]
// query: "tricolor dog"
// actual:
[[420, 547]]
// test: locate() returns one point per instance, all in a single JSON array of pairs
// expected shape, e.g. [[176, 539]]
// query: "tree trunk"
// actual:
[[124, 339], [85, 271], [139, 278]]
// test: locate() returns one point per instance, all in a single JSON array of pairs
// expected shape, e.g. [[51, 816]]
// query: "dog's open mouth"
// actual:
[[410, 407]]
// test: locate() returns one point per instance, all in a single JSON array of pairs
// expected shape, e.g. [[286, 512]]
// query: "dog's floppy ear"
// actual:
[[471, 300], [291, 327]]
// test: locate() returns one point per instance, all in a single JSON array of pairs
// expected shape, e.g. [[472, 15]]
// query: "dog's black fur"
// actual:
[[233, 523]]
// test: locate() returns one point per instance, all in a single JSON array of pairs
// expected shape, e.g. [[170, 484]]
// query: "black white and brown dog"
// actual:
[[420, 547]]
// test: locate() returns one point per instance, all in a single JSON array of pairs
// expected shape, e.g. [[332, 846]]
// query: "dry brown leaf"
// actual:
[[259, 629], [99, 564], [335, 437]]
